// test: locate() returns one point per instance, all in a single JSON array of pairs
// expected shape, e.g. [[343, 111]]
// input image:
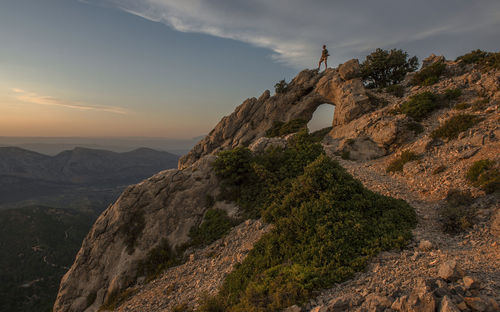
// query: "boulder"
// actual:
[[361, 148], [447, 305], [431, 59], [350, 69], [449, 271]]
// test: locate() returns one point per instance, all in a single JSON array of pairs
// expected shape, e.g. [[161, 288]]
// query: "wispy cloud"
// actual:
[[294, 29], [33, 98]]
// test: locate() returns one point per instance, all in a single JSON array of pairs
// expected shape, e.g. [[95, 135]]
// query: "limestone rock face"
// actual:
[[350, 69], [170, 202], [306, 92]]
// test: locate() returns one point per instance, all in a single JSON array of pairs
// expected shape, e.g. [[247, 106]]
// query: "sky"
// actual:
[[170, 68]]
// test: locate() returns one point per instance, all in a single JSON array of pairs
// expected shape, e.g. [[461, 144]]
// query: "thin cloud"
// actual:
[[294, 29], [33, 98]]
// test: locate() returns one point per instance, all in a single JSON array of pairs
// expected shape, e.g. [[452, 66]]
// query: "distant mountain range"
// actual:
[[48, 204], [26, 174]]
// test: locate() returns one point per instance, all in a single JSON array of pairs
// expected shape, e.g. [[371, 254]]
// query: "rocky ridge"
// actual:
[[363, 125]]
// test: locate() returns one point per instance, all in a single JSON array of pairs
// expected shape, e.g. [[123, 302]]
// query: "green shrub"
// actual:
[[485, 175], [263, 174], [215, 225], [319, 135], [420, 105], [158, 260], [383, 68], [483, 60], [116, 298], [377, 101], [452, 94], [416, 127], [281, 87], [398, 163], [429, 75], [326, 227], [452, 127], [462, 106], [345, 155], [396, 90], [480, 105], [211, 304], [472, 57], [183, 307], [280, 128], [457, 214]]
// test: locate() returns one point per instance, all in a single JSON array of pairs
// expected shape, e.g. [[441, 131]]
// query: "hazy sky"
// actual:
[[172, 68]]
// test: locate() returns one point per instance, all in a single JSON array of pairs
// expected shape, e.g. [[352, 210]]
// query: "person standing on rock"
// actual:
[[324, 57]]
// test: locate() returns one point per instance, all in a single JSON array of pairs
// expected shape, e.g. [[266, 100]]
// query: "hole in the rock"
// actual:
[[322, 117]]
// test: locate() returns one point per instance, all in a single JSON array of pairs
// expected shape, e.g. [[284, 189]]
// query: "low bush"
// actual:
[[457, 214], [211, 304], [462, 106], [452, 94], [281, 87], [396, 90], [183, 307], [485, 175], [383, 68], [416, 127], [280, 128], [158, 260], [319, 135], [116, 298], [377, 101], [480, 105], [483, 60], [420, 105], [326, 227], [452, 127], [398, 163], [429, 75], [215, 225]]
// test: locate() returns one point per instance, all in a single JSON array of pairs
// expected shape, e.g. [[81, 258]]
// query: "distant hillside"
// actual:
[[26, 175], [37, 244]]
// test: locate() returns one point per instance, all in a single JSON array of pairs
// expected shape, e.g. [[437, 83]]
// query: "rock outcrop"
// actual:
[[368, 129], [306, 92], [164, 206]]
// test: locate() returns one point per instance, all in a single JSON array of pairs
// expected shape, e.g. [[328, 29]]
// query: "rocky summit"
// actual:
[[438, 162]]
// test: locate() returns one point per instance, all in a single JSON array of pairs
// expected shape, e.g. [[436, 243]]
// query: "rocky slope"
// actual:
[[368, 130]]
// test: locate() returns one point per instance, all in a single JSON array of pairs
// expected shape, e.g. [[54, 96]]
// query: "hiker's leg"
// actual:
[[326, 66], [319, 64]]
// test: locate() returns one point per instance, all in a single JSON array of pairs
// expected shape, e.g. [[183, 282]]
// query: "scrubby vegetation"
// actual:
[[457, 213], [429, 75], [383, 68], [416, 127], [398, 163], [215, 225], [485, 175], [452, 127], [480, 105], [116, 298], [281, 87], [320, 134], [462, 106], [420, 105], [377, 101], [452, 94], [158, 259], [396, 90], [280, 128], [483, 60], [326, 225]]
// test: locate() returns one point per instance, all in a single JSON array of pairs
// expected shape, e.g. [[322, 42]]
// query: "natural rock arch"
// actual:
[[322, 117]]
